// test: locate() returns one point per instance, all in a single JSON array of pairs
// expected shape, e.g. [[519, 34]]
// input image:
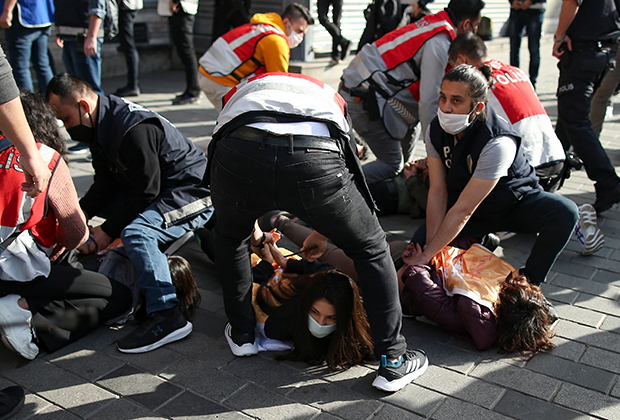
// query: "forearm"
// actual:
[[9, 5], [435, 213], [94, 24], [567, 15], [451, 226]]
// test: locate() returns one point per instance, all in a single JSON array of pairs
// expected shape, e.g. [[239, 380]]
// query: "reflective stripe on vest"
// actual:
[[285, 93], [236, 47]]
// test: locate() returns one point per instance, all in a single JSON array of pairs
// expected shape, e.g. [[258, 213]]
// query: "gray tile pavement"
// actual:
[[198, 378]]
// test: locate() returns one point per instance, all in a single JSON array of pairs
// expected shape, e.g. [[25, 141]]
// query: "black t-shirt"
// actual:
[[596, 20]]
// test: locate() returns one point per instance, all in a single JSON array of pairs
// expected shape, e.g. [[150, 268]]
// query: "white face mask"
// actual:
[[318, 330], [294, 38], [454, 123]]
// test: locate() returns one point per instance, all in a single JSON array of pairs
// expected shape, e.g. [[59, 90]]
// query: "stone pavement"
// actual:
[[198, 378]]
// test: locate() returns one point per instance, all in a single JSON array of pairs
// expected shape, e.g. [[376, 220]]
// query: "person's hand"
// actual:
[[60, 42], [100, 237], [6, 19], [272, 237], [277, 255], [36, 172], [526, 4], [314, 246], [410, 169], [174, 7], [516, 5], [414, 255], [558, 51], [90, 46]]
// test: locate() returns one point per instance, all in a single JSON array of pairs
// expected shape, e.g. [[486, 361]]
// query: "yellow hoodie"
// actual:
[[272, 51]]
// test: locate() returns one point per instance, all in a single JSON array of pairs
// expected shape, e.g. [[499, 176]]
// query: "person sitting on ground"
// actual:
[[481, 182], [261, 46], [145, 184], [35, 292], [508, 312]]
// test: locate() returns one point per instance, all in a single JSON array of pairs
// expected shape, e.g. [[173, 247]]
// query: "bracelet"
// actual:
[[261, 243], [562, 38]]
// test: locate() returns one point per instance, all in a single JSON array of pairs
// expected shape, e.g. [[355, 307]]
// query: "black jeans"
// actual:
[[68, 288], [332, 27], [550, 215], [580, 75], [182, 33], [128, 46], [248, 179]]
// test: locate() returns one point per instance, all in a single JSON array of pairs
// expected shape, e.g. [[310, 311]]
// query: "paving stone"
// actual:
[[575, 269], [125, 409], [572, 372], [33, 406], [602, 359], [208, 351], [587, 286], [523, 407], [414, 398], [209, 324], [88, 364], [203, 379], [453, 409], [608, 277], [459, 386], [580, 315], [348, 378], [559, 294], [567, 349], [82, 399], [588, 335], [451, 357], [264, 404], [191, 406], [588, 401], [611, 324], [152, 361], [143, 388], [326, 396], [598, 304], [519, 379], [389, 412], [54, 412]]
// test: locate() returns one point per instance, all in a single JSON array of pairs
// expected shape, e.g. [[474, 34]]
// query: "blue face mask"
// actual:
[[318, 330]]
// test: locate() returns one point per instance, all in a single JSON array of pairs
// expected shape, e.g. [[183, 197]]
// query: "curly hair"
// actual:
[[42, 121], [349, 345], [523, 319]]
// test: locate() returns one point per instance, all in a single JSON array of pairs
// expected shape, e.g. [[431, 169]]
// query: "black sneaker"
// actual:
[[160, 328], [392, 378], [11, 401]]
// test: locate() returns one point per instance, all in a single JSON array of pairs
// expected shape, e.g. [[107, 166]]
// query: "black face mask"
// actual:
[[82, 132]]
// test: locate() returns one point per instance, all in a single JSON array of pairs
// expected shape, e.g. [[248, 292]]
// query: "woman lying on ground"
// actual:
[[306, 307], [518, 319]]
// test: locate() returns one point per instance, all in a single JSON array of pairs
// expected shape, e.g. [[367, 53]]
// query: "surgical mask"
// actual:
[[318, 330], [294, 38], [454, 123], [82, 132]]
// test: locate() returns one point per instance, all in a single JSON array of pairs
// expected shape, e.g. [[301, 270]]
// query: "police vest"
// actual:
[[235, 48], [461, 159], [182, 163], [514, 99], [388, 67], [27, 230]]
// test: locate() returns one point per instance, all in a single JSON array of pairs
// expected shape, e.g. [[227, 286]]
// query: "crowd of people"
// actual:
[[284, 151]]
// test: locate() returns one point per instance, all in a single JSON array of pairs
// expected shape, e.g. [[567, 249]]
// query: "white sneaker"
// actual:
[[15, 327], [587, 231], [246, 349]]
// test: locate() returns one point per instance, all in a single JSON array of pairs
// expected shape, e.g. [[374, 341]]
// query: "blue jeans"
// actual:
[[249, 179], [128, 46], [24, 45], [552, 216], [580, 76], [142, 239], [531, 20], [77, 64]]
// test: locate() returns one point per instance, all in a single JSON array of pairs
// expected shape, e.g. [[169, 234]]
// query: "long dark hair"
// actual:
[[42, 121], [349, 345], [523, 318], [185, 284]]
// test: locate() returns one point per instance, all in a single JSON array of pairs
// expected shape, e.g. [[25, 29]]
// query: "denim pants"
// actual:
[[249, 179], [77, 64], [142, 239], [580, 76], [24, 45], [182, 33], [531, 20], [126, 19], [550, 215]]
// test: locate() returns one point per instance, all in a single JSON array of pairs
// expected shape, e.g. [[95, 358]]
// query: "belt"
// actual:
[[291, 141], [73, 30], [586, 46]]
